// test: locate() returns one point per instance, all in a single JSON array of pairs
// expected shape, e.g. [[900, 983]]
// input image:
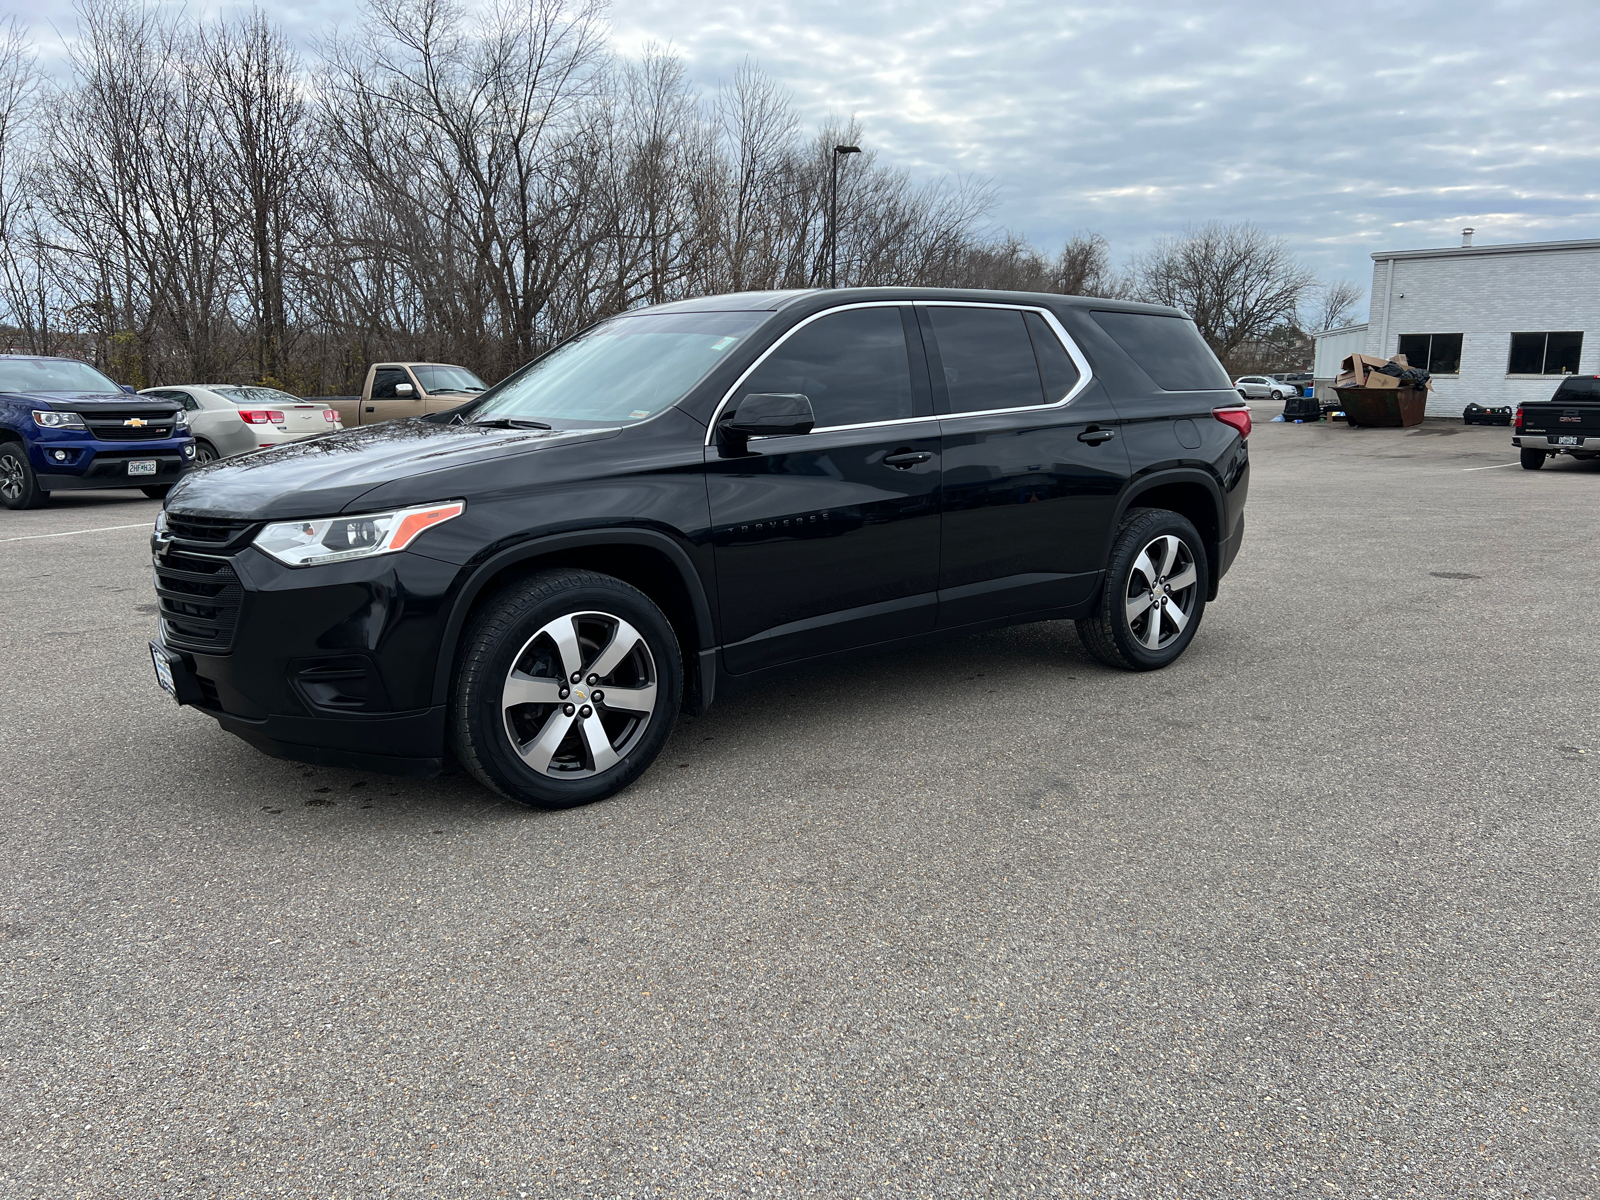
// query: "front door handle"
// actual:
[[1095, 436], [907, 458]]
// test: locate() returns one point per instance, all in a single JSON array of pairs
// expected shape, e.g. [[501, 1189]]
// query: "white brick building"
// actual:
[[1496, 324]]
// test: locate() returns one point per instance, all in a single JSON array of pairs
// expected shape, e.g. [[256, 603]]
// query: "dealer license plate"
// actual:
[[1567, 441], [142, 466], [163, 673]]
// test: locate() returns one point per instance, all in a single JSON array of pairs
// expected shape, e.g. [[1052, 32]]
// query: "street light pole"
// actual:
[[833, 216]]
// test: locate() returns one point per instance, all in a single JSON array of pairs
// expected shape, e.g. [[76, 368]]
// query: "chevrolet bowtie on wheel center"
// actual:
[[684, 500]]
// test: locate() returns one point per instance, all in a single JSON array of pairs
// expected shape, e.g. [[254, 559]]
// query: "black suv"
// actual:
[[688, 497]]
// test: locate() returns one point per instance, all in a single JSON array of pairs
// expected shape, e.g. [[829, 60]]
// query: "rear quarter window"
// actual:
[[1169, 349], [1578, 389]]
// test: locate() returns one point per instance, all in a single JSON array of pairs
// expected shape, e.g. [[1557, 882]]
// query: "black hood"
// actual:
[[93, 401], [325, 475]]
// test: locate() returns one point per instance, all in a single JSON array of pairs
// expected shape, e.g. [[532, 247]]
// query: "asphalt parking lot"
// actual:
[[1308, 913]]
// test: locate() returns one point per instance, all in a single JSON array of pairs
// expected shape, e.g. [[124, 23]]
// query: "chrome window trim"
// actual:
[[1085, 371]]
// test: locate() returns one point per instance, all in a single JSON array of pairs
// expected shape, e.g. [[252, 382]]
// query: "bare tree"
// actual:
[[25, 296], [260, 114], [1236, 281], [1084, 268], [1332, 305]]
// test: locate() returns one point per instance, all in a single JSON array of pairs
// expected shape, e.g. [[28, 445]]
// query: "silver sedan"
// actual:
[[1263, 387], [231, 419]]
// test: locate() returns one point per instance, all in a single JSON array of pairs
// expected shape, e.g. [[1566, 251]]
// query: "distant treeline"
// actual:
[[195, 202]]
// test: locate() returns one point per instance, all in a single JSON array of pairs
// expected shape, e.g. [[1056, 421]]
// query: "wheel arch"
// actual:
[[1190, 493], [652, 562]]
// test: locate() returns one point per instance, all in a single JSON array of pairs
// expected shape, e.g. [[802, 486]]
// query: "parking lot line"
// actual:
[[28, 537], [1490, 468]]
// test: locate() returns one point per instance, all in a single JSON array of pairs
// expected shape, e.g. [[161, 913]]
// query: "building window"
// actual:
[[1544, 353], [1437, 353]]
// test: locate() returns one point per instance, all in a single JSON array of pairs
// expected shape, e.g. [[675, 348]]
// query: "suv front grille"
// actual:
[[209, 532], [199, 599], [114, 427]]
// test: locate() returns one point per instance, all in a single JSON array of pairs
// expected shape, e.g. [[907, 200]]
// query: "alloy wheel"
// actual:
[[204, 454], [11, 480], [1162, 588], [579, 695]]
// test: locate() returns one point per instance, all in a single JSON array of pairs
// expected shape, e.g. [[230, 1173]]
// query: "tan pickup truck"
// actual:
[[404, 389]]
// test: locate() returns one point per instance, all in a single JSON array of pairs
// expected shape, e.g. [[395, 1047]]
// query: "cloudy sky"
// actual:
[[1345, 127]]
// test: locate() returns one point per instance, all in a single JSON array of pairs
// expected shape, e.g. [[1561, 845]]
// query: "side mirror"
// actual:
[[130, 389], [404, 389], [769, 414]]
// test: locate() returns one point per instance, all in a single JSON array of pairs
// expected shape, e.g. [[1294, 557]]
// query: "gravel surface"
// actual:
[[1306, 913]]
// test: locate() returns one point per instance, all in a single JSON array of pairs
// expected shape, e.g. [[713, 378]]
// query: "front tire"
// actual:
[[1153, 595], [19, 487], [566, 688], [1532, 460]]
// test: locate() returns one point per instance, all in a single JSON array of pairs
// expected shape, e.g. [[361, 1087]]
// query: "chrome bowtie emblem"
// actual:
[[136, 422]]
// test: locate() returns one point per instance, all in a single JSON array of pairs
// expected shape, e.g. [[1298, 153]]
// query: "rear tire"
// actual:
[[204, 452], [1153, 595], [19, 487], [524, 727], [1532, 460]]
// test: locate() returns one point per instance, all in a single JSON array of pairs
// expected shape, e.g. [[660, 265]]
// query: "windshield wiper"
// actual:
[[511, 423]]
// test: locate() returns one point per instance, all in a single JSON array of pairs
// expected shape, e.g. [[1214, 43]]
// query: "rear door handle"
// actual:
[[908, 458], [1095, 436]]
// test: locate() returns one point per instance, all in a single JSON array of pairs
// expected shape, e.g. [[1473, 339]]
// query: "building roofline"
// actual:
[[1507, 248], [1342, 329]]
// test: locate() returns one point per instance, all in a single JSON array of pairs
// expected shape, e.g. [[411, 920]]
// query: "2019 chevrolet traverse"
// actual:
[[685, 498]]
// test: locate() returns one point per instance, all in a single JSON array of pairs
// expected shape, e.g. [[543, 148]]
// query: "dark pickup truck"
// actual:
[[1567, 423]]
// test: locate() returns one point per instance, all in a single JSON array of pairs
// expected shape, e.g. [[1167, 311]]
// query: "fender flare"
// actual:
[[1162, 478], [539, 547]]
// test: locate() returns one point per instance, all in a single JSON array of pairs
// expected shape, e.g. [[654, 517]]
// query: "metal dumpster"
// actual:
[[1391, 408]]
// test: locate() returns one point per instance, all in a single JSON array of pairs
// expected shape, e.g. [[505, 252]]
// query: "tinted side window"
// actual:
[[853, 365], [385, 381], [1169, 349], [1055, 364], [987, 357]]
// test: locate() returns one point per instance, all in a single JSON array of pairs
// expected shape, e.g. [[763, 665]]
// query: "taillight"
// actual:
[[331, 415], [1239, 418], [1518, 421], [261, 416]]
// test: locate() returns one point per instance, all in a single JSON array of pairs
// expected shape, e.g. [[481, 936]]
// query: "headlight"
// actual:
[[58, 420], [181, 418], [335, 539]]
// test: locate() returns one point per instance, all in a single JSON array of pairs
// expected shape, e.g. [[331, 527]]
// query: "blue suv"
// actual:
[[65, 426]]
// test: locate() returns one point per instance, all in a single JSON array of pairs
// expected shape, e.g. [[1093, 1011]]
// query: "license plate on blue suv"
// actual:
[[142, 466]]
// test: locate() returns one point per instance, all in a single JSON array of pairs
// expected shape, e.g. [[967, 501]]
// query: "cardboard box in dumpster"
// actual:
[[1357, 368], [1364, 370]]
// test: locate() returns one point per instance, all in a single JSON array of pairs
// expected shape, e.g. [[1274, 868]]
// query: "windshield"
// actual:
[[243, 396], [435, 377], [622, 370], [52, 375]]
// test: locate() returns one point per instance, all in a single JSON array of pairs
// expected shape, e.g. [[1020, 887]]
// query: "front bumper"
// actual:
[[64, 462], [334, 664]]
